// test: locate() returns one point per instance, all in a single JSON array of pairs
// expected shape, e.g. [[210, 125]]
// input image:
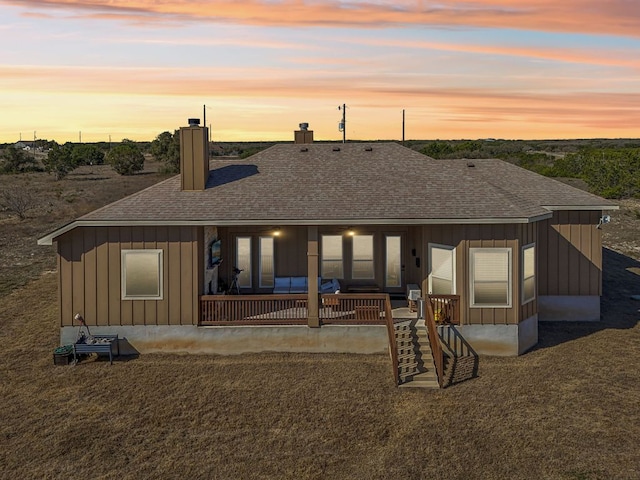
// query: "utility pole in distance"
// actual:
[[403, 126], [343, 124]]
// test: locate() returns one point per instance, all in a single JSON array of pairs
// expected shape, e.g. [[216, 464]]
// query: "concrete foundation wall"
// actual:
[[569, 308], [500, 340], [364, 339], [504, 340]]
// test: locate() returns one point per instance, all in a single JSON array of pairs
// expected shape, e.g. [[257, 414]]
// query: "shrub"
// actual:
[[126, 158]]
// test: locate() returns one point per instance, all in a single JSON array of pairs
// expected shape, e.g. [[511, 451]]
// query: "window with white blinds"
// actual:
[[243, 261], [142, 275], [442, 269], [362, 263], [528, 273], [331, 256], [393, 266], [490, 277], [266, 262]]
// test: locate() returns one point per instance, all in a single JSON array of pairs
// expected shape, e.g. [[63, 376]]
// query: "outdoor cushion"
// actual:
[[281, 284], [298, 285], [332, 286]]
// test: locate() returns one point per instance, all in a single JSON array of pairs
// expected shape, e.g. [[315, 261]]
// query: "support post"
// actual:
[[312, 271]]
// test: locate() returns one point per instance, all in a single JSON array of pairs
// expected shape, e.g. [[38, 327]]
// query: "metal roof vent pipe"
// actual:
[[304, 135]]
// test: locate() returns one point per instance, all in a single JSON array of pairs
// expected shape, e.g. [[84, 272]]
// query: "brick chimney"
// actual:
[[304, 135], [194, 155]]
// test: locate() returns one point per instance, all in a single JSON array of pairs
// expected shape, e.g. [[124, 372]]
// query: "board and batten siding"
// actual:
[[464, 237], [570, 254], [89, 266]]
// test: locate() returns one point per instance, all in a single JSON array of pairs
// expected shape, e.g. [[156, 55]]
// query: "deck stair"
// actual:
[[415, 361]]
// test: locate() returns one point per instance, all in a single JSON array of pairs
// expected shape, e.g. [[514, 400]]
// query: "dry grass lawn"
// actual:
[[566, 410], [569, 409]]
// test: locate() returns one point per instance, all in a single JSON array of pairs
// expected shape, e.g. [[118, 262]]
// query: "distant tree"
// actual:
[[59, 160], [166, 148], [17, 161], [17, 200], [85, 154], [437, 149], [126, 158]]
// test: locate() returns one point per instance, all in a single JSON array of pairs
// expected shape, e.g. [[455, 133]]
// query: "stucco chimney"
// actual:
[[304, 135], [194, 155]]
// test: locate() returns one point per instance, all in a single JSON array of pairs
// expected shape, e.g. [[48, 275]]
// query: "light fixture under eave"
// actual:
[[603, 221], [276, 232], [350, 232]]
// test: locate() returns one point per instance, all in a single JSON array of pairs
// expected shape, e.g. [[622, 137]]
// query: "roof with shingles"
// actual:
[[359, 183]]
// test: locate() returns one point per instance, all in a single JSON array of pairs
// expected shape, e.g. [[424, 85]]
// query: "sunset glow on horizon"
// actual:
[[119, 69]]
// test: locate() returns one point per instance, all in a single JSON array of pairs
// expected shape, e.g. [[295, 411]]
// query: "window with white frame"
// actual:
[[362, 263], [332, 256], [528, 273], [393, 267], [442, 269], [490, 273], [243, 261], [141, 274], [266, 262]]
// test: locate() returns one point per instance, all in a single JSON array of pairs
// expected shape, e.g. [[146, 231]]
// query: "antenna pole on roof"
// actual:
[[204, 115], [343, 123]]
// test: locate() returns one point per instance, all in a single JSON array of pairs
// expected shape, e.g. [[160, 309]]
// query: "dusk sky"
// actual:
[[540, 69]]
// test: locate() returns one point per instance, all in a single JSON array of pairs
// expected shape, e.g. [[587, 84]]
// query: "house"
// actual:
[[506, 247]]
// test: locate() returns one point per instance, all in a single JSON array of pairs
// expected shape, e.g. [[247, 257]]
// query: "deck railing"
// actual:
[[291, 309], [434, 342], [353, 308], [446, 309], [288, 309]]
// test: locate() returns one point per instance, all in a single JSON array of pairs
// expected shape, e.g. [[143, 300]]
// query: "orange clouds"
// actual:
[[614, 17], [249, 100]]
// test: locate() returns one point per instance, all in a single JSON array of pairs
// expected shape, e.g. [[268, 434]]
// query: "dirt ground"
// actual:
[[568, 409], [55, 204]]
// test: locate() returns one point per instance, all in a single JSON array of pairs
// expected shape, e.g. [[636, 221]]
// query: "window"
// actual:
[[393, 267], [243, 261], [528, 273], [141, 274], [442, 269], [490, 277], [266, 262], [362, 265], [332, 256]]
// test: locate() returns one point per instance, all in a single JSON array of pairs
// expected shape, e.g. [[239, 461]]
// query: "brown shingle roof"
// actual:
[[359, 183]]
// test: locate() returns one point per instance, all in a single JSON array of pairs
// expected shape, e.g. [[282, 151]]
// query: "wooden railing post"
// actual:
[[391, 333], [434, 342], [312, 274]]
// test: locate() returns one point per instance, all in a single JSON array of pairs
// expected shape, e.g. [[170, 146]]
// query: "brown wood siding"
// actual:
[[89, 262], [464, 237], [570, 256]]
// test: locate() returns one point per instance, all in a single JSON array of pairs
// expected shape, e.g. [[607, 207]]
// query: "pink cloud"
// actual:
[[591, 56], [616, 17]]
